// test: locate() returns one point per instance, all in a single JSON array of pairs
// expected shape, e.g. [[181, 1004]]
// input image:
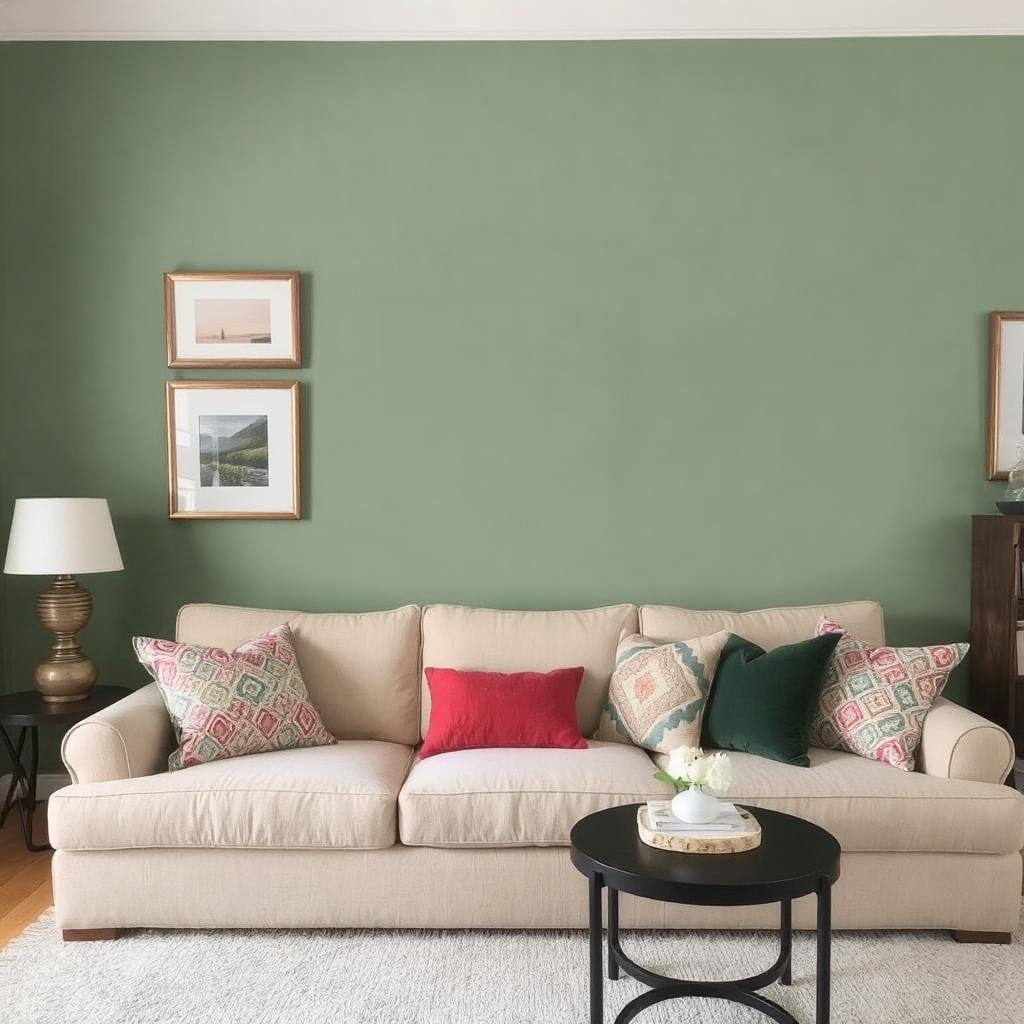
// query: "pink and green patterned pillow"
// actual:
[[229, 703], [874, 699]]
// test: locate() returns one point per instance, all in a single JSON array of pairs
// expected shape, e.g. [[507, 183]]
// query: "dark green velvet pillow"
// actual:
[[763, 702]]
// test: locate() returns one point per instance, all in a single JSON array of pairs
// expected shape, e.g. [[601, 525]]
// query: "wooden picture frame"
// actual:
[[1005, 392], [208, 479], [255, 313]]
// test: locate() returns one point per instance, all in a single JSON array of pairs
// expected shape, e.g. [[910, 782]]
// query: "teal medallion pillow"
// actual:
[[658, 691], [762, 702]]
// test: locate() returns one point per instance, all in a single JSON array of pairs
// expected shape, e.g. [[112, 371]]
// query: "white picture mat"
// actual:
[[1010, 431], [278, 292], [276, 405]]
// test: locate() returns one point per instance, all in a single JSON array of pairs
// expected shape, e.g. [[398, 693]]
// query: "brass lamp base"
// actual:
[[66, 675]]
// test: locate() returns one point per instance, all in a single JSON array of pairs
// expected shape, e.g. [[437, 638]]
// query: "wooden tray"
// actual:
[[736, 843]]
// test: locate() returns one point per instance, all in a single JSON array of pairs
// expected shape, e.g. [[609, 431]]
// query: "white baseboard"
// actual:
[[498, 19], [47, 784]]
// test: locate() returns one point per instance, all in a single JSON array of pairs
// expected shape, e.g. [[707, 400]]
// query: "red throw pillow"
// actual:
[[502, 709]]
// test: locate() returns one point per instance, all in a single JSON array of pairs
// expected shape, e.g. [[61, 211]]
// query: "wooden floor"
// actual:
[[25, 890]]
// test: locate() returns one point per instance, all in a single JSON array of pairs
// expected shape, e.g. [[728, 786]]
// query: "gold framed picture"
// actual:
[[233, 449], [1005, 392], [232, 319]]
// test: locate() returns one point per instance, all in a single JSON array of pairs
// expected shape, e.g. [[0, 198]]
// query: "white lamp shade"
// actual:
[[58, 536]]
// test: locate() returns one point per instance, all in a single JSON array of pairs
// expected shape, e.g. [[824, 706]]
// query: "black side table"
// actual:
[[795, 859], [27, 711]]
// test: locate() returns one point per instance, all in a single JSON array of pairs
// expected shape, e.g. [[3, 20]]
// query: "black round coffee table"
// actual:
[[795, 859]]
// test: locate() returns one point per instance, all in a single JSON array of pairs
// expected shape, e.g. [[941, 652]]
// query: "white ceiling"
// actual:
[[503, 19]]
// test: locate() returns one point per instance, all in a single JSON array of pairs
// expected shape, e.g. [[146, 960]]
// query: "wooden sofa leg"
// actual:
[[90, 934], [996, 938]]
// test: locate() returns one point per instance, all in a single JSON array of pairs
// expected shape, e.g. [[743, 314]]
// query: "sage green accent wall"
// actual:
[[691, 322]]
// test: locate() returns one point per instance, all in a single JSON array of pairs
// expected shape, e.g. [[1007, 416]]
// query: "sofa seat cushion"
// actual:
[[507, 796], [870, 806], [337, 797]]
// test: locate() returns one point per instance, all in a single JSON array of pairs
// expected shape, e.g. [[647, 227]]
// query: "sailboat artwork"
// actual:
[[232, 318], [232, 321]]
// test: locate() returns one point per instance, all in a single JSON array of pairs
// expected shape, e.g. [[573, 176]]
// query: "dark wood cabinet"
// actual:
[[997, 605]]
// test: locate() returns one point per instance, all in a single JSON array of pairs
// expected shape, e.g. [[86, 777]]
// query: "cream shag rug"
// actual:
[[477, 977]]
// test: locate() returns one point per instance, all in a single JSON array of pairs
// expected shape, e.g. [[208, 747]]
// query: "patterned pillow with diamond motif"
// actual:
[[874, 699], [228, 703], [658, 691]]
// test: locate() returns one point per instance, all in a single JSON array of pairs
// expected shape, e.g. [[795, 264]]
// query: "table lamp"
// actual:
[[62, 537]]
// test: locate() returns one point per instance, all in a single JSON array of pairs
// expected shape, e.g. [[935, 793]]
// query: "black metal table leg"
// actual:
[[613, 933], [786, 928], [25, 781], [824, 965], [596, 942], [12, 788]]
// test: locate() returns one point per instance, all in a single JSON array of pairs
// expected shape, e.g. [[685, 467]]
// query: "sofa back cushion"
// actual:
[[767, 627], [361, 670], [509, 641]]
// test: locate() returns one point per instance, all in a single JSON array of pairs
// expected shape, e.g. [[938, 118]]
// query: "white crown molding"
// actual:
[[367, 20]]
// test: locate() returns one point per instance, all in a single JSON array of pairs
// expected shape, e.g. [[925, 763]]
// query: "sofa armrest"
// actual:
[[959, 744], [130, 738]]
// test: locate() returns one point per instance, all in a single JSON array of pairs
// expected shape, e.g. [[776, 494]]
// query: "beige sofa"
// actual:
[[362, 834]]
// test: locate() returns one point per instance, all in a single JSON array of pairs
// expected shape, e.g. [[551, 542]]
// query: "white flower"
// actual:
[[690, 766], [719, 772], [680, 761]]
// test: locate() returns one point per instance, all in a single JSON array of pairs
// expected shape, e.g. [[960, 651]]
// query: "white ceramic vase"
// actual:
[[695, 807]]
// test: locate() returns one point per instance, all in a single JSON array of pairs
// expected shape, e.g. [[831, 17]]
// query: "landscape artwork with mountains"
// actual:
[[233, 451]]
